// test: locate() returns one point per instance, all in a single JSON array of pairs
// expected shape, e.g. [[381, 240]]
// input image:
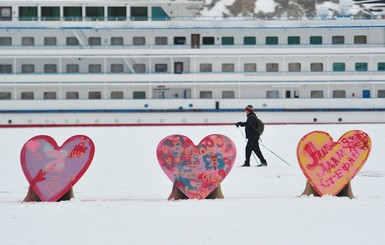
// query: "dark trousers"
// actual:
[[253, 145]]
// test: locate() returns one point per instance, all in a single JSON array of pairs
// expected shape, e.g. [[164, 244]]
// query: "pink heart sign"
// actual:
[[328, 165], [53, 170], [196, 170]]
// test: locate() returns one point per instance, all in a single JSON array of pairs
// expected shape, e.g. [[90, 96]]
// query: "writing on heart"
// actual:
[[52, 170], [330, 165], [196, 170]]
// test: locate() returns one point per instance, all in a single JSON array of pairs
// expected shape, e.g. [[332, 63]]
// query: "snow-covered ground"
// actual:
[[121, 199]]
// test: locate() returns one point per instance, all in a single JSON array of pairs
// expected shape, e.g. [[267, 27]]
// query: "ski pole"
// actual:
[[265, 148], [273, 153], [252, 152]]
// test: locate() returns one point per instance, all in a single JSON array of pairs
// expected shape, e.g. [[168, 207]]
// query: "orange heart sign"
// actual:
[[330, 165]]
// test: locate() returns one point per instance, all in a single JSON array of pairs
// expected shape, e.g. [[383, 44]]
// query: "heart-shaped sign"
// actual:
[[328, 165], [196, 170], [52, 170]]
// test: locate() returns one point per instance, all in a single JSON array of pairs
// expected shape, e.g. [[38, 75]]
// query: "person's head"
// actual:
[[249, 109]]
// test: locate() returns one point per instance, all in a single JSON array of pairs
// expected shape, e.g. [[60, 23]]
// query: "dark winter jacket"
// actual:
[[251, 126]]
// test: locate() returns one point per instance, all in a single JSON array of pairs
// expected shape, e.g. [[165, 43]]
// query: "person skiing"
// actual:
[[252, 136]]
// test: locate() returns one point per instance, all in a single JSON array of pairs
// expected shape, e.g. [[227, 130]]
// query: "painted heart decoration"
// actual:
[[328, 165], [196, 169], [52, 170]]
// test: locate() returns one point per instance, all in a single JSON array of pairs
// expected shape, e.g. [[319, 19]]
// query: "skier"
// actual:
[[252, 135]]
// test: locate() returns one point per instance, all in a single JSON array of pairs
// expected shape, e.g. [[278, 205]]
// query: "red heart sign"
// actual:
[[52, 170], [328, 165], [196, 170]]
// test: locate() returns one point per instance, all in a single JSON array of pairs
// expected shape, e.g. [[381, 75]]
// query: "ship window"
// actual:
[[94, 41], [338, 40], [139, 40], [179, 40], [73, 13], [139, 95], [117, 13], [94, 13], [116, 40], [5, 96], [272, 67], [272, 94], [139, 13], [116, 94], [360, 40], [339, 67], [5, 41], [208, 40], [271, 40], [27, 41], [250, 67], [72, 68], [117, 68], [160, 67], [50, 41], [72, 95], [94, 68], [381, 66], [178, 67], [140, 68], [206, 94], [227, 40], [27, 95], [50, 13], [159, 14], [27, 13], [5, 68], [361, 66], [228, 95], [160, 40], [72, 41], [316, 67], [294, 67], [316, 94], [94, 95], [5, 13], [29, 68], [316, 40], [206, 67], [249, 40], [227, 67], [339, 94], [51, 95], [50, 68], [381, 93], [293, 40]]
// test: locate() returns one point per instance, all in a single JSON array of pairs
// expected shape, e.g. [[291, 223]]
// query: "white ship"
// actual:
[[161, 62]]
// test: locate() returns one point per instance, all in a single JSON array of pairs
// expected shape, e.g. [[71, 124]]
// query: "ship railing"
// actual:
[[189, 18], [189, 46], [105, 87], [194, 21], [214, 76]]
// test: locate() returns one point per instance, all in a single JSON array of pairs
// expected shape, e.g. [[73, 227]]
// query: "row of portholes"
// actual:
[[316, 120], [97, 121], [179, 108], [117, 121]]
